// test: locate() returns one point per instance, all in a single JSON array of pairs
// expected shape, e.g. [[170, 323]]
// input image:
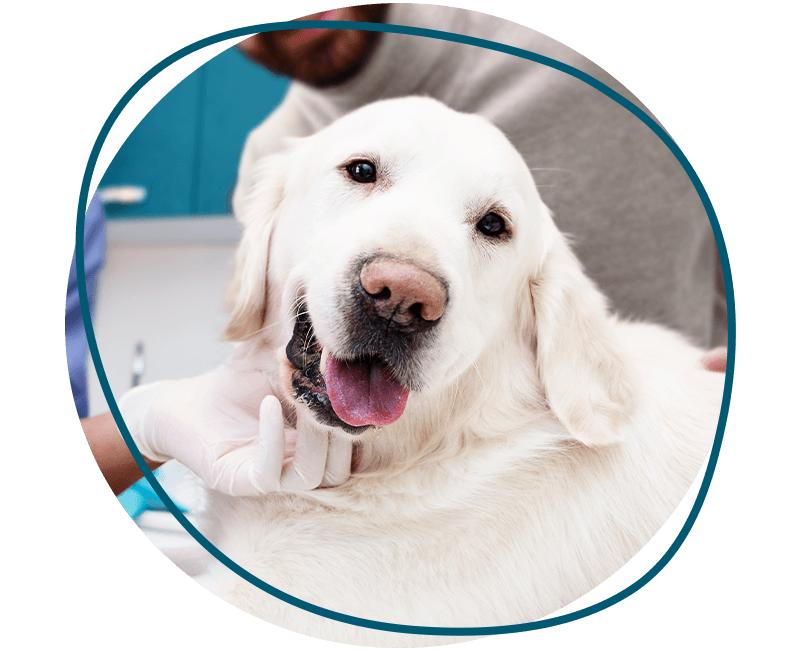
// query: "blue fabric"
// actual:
[[94, 247], [140, 497]]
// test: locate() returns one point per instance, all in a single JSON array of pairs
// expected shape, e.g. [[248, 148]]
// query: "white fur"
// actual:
[[550, 441]]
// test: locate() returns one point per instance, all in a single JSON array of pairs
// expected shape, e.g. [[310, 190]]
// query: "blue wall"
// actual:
[[185, 152]]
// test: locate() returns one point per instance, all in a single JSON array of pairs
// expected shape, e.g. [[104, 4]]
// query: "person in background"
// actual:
[[633, 215]]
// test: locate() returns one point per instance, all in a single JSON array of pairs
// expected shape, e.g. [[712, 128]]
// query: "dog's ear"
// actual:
[[257, 201], [586, 381]]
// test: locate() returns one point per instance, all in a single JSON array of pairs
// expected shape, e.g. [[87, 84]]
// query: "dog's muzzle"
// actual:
[[390, 314]]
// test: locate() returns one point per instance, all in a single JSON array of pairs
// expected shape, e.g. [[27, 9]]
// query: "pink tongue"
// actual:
[[363, 393]]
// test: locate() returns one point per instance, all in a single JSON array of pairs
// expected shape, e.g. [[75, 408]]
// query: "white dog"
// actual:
[[516, 444]]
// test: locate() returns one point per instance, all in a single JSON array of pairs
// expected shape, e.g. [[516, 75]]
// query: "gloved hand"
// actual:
[[227, 427]]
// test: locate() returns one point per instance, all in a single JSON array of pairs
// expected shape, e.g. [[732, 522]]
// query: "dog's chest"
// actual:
[[499, 549]]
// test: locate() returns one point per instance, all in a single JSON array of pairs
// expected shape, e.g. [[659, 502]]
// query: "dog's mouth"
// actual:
[[353, 395]]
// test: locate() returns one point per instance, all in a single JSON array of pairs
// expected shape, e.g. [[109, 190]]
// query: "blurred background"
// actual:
[[186, 151]]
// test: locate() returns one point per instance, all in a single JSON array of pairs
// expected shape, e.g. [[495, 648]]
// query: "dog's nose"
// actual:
[[403, 293]]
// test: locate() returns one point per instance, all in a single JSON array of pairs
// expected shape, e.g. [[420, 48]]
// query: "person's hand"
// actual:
[[716, 360], [228, 428]]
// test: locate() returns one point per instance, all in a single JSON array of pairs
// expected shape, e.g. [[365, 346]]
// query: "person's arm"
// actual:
[[111, 453]]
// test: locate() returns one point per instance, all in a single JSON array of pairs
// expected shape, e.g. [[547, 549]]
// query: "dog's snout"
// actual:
[[403, 293]]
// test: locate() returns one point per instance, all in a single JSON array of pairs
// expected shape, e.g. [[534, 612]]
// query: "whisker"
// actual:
[[472, 363], [453, 400], [289, 318]]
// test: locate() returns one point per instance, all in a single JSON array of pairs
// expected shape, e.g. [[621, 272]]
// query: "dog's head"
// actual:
[[397, 248]]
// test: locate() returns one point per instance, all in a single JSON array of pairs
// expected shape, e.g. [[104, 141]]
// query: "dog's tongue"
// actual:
[[364, 393]]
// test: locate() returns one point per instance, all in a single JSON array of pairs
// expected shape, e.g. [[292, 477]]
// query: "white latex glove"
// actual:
[[228, 428]]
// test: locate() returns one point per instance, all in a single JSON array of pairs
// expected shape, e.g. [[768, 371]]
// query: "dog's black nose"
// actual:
[[402, 294]]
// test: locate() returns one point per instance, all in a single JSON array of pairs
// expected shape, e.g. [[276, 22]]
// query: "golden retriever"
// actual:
[[403, 284]]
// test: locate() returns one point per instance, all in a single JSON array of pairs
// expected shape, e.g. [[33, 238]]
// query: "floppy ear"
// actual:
[[257, 201], [585, 378]]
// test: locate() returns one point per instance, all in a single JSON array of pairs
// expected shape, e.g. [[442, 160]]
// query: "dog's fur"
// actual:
[[546, 441]]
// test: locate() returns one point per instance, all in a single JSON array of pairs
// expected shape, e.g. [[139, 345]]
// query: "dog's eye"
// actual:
[[492, 225], [362, 171]]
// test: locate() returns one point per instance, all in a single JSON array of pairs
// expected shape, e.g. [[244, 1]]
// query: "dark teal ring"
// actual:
[[456, 38]]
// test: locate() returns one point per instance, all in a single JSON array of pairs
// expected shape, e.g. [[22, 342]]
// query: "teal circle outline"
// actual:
[[466, 40]]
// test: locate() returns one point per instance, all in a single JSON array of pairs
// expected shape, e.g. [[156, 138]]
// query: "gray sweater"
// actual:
[[632, 214]]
